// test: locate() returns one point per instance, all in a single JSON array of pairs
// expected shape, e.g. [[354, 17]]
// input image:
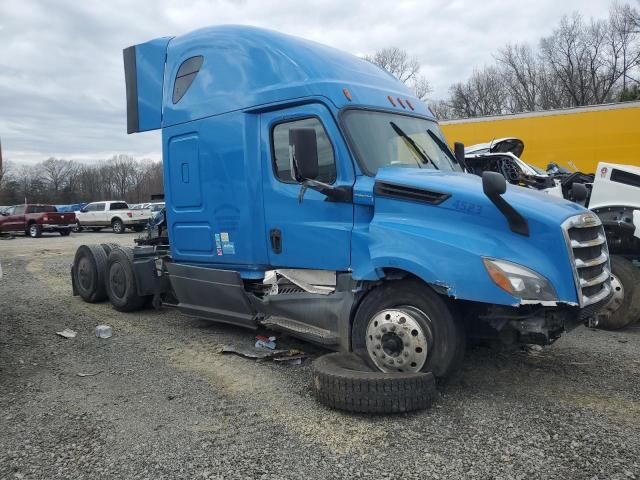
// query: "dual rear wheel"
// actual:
[[106, 271]]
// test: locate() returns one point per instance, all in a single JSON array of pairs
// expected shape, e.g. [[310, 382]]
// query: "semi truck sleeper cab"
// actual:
[[309, 191]]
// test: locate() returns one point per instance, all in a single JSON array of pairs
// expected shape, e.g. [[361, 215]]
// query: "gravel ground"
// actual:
[[164, 404]]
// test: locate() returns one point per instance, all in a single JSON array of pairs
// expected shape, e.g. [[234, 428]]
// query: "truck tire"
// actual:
[[121, 282], [34, 230], [107, 247], [344, 381], [117, 225], [89, 270], [624, 307], [76, 228], [405, 326], [65, 232]]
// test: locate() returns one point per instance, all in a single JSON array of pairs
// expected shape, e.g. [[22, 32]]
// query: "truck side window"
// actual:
[[98, 207], [118, 206], [280, 144], [20, 210], [185, 76]]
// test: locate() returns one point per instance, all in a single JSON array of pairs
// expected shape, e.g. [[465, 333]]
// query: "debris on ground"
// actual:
[[88, 374], [265, 342], [67, 333], [104, 331], [291, 356]]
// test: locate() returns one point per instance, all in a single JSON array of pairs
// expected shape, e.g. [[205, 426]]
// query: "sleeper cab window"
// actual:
[[185, 76], [280, 143]]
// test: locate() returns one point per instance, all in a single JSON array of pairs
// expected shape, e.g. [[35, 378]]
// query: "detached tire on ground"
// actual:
[[624, 307], [121, 282], [344, 381], [89, 270]]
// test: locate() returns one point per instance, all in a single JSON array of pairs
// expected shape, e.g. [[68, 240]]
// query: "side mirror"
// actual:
[[303, 154], [493, 184], [579, 193]]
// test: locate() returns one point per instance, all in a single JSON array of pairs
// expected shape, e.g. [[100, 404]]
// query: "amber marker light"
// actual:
[[347, 93]]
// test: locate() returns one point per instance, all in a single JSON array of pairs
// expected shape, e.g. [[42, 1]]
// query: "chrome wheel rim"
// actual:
[[618, 295], [396, 341], [117, 227], [33, 230]]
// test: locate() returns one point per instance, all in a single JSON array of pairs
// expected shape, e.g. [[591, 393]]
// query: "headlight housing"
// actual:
[[519, 281]]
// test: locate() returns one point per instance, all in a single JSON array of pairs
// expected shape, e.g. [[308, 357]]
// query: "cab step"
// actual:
[[301, 330]]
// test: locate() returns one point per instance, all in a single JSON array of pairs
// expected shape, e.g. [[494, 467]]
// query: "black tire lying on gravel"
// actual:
[[89, 270], [121, 281], [624, 307], [344, 381]]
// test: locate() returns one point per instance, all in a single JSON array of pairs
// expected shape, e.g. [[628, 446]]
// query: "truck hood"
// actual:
[[464, 192], [439, 226]]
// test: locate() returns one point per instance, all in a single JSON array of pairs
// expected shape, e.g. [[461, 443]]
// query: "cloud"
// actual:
[[61, 75]]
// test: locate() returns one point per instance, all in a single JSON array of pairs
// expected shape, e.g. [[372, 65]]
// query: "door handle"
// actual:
[[276, 240]]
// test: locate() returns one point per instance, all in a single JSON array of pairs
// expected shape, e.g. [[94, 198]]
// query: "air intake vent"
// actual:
[[404, 192], [627, 178]]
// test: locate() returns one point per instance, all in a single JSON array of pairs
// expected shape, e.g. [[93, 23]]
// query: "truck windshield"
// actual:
[[383, 139]]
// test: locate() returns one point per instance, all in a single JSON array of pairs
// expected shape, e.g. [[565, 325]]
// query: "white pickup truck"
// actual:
[[114, 214]]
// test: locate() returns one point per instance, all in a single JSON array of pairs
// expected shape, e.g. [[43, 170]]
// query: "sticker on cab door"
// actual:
[[224, 246]]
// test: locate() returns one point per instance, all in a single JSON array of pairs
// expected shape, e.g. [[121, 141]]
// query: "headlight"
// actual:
[[519, 281]]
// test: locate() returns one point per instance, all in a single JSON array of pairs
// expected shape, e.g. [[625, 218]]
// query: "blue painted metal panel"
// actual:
[[245, 67], [214, 204], [443, 244], [315, 233], [150, 64]]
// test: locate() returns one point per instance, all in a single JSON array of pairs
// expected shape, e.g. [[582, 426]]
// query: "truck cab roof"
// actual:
[[219, 69]]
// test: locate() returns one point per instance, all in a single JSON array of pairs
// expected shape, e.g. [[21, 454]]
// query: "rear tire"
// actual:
[[65, 232], [404, 326], [117, 226], [121, 282], [34, 230], [344, 381], [624, 307], [89, 269]]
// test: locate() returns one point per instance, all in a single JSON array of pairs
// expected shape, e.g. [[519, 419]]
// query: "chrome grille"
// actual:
[[590, 257]]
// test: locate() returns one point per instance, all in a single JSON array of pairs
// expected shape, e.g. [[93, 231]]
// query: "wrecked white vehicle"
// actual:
[[613, 193]]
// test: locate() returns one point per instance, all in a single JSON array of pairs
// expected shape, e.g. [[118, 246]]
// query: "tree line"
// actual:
[[59, 181], [580, 63]]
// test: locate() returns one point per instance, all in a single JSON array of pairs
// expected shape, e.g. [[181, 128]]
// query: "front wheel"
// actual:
[[117, 226], [404, 326]]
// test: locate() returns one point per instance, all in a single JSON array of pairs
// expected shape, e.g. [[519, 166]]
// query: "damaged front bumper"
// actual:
[[537, 324]]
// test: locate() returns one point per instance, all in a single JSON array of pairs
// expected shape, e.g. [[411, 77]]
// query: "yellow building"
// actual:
[[583, 135]]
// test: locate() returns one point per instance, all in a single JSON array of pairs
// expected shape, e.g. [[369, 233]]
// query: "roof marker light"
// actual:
[[401, 102], [347, 93], [409, 103], [393, 102]]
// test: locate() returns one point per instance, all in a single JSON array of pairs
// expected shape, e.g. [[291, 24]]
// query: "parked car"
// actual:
[[34, 219], [114, 214]]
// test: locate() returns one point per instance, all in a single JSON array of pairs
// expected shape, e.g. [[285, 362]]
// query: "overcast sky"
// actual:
[[61, 75]]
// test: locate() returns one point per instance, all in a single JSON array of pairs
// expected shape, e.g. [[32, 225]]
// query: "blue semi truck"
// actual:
[[310, 192]]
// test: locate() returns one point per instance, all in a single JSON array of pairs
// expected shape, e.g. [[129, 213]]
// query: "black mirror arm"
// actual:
[[342, 193]]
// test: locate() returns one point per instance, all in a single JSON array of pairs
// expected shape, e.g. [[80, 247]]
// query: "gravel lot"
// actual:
[[164, 404]]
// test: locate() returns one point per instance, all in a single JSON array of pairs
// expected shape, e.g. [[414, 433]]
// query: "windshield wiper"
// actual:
[[421, 153], [443, 146]]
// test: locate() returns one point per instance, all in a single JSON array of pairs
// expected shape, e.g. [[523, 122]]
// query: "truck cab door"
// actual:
[[311, 232]]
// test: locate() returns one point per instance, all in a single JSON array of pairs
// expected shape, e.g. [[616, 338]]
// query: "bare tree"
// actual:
[[483, 94], [398, 63], [521, 74], [56, 173], [442, 110]]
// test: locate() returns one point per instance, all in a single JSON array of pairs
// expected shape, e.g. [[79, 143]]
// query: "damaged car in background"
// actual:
[[612, 192]]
